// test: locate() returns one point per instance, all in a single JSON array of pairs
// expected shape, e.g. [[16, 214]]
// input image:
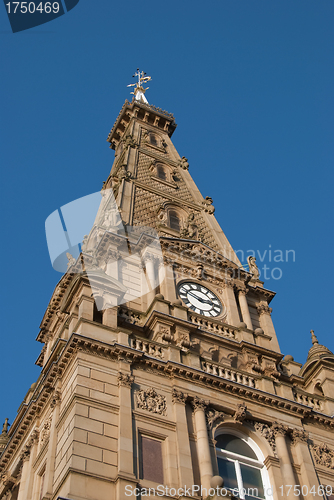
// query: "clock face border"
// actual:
[[208, 295]]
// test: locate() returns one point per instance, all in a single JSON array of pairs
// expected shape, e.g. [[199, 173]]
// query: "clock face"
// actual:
[[199, 299]]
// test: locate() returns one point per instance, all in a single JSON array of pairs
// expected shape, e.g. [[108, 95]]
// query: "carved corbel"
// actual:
[[240, 413], [178, 396], [124, 379], [207, 205], [299, 436]]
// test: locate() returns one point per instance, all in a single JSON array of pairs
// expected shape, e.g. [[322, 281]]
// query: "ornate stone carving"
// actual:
[[212, 416], [125, 379], [199, 404], [56, 397], [178, 396], [25, 454], [7, 479], [45, 431], [267, 433], [263, 309], [269, 369], [323, 455], [240, 413], [189, 229], [198, 272], [253, 269], [279, 429], [207, 205], [152, 401], [299, 436], [71, 260], [184, 163]]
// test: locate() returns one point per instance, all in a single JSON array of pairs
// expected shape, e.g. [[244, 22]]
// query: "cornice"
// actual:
[[169, 368]]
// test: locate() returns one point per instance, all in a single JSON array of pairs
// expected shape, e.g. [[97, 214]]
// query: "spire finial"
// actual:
[[314, 338], [5, 426], [139, 91]]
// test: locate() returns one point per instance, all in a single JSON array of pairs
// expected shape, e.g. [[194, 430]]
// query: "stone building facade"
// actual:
[[160, 367]]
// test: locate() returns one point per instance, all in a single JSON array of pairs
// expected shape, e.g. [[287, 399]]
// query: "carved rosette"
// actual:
[[151, 401], [199, 404], [240, 413], [178, 396], [323, 455], [124, 379], [299, 436]]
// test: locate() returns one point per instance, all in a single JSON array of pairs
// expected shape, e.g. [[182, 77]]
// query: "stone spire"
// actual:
[[317, 353], [4, 436], [314, 338]]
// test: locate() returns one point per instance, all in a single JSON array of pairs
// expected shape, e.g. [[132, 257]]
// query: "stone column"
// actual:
[[33, 441], [267, 324], [244, 308], [162, 278], [125, 474], [51, 453], [125, 438], [150, 277], [25, 457], [308, 474], [186, 476], [231, 304], [280, 431], [112, 264], [203, 446]]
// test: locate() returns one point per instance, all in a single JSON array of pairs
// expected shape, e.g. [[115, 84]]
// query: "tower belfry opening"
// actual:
[[160, 365]]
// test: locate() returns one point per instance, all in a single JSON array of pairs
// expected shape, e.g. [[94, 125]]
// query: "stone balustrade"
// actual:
[[228, 374], [308, 400], [148, 348], [211, 326]]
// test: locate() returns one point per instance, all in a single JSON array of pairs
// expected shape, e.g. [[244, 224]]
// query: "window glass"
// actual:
[[227, 471], [231, 443], [240, 467], [151, 460], [161, 173], [153, 140], [251, 479], [174, 220]]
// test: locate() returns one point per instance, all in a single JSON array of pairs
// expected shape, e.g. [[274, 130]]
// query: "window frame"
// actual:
[[240, 459]]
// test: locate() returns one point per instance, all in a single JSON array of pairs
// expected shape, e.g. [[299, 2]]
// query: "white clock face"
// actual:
[[199, 299]]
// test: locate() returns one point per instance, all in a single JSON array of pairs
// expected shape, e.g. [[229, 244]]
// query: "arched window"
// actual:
[[161, 173], [174, 220], [241, 468], [153, 139]]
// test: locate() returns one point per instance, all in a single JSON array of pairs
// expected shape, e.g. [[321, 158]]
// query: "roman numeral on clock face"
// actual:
[[200, 299]]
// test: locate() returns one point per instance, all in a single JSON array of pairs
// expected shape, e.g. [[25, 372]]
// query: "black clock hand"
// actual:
[[199, 299]]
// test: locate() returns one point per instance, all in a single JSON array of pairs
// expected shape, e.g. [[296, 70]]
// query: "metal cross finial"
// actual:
[[139, 91]]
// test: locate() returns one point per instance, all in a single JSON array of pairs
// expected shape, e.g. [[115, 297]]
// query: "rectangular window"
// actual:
[[151, 460]]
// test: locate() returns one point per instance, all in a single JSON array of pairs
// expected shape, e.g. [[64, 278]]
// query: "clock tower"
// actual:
[[161, 372]]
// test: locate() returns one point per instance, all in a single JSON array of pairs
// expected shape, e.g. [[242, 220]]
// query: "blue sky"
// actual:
[[250, 83]]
